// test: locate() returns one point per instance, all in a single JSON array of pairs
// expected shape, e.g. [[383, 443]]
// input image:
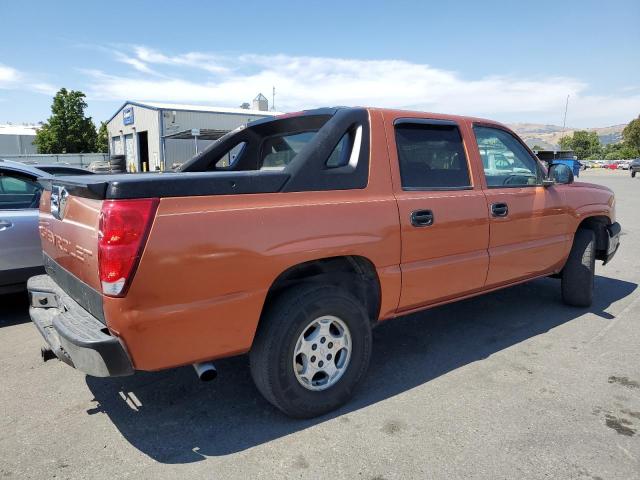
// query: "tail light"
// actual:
[[123, 231]]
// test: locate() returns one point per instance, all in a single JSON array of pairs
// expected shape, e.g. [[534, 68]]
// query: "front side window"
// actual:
[[505, 161], [17, 192], [431, 156]]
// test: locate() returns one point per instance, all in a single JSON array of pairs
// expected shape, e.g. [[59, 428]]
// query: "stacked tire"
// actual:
[[118, 164]]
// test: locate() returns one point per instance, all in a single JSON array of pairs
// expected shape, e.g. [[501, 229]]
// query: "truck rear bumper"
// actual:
[[73, 334], [613, 244]]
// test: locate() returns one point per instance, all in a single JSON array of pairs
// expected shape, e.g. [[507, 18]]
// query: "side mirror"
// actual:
[[559, 173]]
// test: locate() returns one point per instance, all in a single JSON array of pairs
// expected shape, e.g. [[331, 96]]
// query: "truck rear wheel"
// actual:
[[312, 350], [578, 272]]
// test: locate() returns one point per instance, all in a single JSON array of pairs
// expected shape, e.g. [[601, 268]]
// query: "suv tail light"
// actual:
[[123, 231]]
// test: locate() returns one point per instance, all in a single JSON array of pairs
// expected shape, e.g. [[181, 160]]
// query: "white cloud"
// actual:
[[204, 61], [12, 79], [8, 76], [44, 88], [307, 82]]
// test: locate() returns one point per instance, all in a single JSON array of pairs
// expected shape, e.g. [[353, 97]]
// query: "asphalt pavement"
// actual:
[[509, 385]]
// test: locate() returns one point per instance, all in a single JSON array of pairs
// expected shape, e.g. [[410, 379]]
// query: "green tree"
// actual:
[[102, 141], [566, 142], [537, 148], [67, 130], [631, 133], [584, 144], [620, 151]]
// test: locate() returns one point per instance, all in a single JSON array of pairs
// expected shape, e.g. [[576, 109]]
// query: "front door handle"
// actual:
[[499, 209], [422, 218], [5, 224]]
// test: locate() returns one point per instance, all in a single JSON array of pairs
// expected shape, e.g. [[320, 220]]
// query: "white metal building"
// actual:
[[17, 139], [156, 136]]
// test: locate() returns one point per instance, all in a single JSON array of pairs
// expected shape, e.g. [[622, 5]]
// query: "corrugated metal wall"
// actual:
[[173, 121], [17, 144], [179, 151], [73, 159]]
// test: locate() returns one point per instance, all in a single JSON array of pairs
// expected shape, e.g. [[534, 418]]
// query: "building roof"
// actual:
[[194, 108], [18, 130]]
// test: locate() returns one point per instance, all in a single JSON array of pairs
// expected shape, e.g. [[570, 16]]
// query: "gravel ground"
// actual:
[[509, 385]]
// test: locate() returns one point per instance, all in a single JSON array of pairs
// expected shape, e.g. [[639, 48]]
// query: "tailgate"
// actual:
[[68, 228]]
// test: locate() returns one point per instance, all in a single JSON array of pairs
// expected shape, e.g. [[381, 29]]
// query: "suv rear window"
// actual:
[[323, 149], [279, 150]]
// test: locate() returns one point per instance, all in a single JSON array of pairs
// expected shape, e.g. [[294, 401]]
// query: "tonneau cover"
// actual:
[[181, 184]]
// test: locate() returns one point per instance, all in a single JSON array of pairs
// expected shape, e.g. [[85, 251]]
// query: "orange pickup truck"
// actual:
[[292, 237]]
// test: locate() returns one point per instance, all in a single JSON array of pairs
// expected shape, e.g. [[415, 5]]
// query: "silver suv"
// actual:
[[20, 250]]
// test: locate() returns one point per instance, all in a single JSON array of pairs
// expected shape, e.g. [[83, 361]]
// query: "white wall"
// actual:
[[144, 120]]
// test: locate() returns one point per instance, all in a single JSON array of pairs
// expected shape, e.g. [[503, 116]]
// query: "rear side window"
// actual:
[[431, 156]]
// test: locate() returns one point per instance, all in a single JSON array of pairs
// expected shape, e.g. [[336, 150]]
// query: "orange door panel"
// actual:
[[449, 257], [531, 239], [444, 225], [528, 234]]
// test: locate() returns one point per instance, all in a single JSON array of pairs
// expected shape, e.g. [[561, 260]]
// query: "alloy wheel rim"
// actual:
[[322, 353]]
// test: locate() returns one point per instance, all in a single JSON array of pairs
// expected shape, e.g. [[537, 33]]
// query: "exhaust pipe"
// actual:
[[206, 371]]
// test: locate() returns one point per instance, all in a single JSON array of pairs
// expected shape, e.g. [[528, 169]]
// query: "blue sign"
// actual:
[[127, 116]]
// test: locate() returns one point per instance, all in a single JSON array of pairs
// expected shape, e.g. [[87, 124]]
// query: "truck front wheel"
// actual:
[[578, 272], [311, 350]]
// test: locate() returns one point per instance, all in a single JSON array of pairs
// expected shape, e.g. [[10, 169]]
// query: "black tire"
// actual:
[[283, 322], [118, 162], [578, 272]]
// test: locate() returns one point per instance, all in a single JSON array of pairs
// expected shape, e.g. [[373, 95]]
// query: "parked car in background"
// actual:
[[624, 165], [20, 249], [634, 166], [58, 170]]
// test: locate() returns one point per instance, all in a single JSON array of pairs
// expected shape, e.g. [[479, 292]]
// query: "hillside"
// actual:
[[547, 136]]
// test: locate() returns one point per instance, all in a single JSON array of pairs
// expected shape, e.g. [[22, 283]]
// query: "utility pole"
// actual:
[[564, 121], [273, 99]]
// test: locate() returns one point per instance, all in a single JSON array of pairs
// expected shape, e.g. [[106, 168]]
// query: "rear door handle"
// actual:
[[499, 209], [5, 224], [422, 218]]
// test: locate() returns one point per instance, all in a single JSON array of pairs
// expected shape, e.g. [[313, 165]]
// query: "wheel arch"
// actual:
[[354, 273], [598, 224]]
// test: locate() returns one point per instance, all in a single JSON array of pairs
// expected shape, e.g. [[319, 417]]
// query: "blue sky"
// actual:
[[511, 61]]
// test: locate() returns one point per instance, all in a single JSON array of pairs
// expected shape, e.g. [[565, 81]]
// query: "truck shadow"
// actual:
[[173, 418], [14, 309]]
